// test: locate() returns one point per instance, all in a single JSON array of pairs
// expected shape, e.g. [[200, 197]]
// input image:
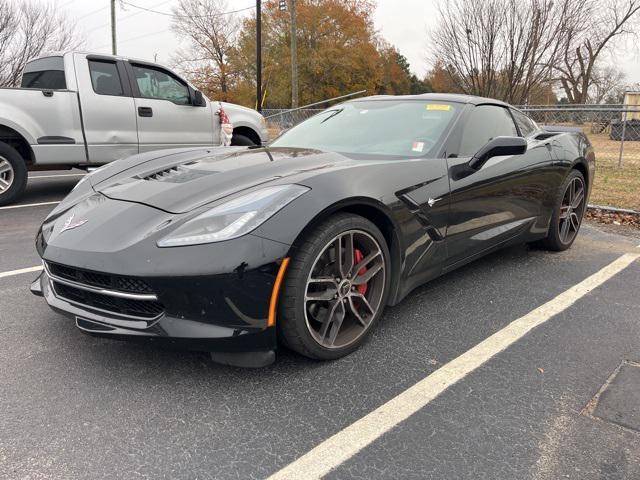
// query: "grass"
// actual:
[[613, 186]]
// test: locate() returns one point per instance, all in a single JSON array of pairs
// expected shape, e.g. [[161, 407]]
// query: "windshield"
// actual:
[[391, 128]]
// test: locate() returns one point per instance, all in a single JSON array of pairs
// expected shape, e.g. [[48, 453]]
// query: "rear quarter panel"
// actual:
[[34, 115]]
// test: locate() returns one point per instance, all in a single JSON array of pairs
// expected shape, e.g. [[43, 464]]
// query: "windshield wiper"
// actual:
[[336, 112]]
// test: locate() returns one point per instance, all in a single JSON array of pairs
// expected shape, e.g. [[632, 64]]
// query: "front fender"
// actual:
[[245, 117]]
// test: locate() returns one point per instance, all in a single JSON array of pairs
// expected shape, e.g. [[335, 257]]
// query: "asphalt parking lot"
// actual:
[[561, 401]]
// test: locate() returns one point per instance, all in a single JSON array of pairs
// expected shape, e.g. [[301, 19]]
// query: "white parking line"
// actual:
[[20, 272], [10, 207], [58, 176], [343, 445]]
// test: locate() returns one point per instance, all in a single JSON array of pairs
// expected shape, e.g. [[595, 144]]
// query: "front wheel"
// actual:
[[568, 212], [335, 289], [239, 140]]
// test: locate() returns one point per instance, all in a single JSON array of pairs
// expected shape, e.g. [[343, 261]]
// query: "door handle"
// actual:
[[145, 111]]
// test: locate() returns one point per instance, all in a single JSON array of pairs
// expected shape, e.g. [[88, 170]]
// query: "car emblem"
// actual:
[[69, 224], [431, 201]]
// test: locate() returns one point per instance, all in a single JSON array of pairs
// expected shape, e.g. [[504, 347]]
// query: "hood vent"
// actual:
[[176, 174]]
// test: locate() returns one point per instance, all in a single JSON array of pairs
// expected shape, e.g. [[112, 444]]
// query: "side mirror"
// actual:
[[497, 147], [198, 99]]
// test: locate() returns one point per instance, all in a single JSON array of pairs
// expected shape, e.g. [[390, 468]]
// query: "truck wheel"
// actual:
[[13, 174], [239, 140]]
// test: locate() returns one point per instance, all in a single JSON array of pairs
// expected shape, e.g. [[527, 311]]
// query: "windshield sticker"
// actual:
[[417, 146], [440, 107]]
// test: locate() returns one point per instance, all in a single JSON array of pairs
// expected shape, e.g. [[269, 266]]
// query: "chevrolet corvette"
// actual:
[[303, 242]]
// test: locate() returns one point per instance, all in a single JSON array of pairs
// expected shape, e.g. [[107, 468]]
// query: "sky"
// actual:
[[142, 34]]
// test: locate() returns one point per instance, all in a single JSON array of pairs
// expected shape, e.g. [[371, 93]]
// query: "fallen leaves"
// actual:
[[613, 218]]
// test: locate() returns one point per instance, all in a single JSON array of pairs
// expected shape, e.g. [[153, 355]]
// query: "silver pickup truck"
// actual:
[[82, 110]]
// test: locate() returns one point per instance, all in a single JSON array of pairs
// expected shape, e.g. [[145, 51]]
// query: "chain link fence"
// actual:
[[279, 120], [614, 130]]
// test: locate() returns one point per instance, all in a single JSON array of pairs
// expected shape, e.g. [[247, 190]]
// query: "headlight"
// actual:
[[234, 218]]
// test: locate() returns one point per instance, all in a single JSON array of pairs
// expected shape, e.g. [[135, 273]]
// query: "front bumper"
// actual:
[[166, 330], [225, 313]]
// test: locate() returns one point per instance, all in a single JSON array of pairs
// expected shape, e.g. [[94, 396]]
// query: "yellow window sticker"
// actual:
[[438, 106]]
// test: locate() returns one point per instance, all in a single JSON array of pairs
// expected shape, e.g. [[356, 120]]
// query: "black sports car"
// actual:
[[302, 243]]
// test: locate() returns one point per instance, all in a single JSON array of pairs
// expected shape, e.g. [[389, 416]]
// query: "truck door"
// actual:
[[167, 116], [107, 108]]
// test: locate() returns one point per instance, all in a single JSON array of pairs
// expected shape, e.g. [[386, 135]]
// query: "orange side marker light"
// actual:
[[273, 303]]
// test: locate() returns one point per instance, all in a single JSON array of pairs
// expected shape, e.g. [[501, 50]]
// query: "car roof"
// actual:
[[441, 97]]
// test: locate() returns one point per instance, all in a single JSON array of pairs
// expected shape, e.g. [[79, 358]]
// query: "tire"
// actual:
[[302, 322], [13, 174], [239, 140], [556, 239]]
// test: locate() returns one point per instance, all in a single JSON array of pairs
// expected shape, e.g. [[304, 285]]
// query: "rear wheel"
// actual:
[[568, 213], [335, 289], [13, 174]]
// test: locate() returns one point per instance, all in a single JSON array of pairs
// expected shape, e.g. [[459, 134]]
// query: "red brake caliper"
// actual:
[[358, 257]]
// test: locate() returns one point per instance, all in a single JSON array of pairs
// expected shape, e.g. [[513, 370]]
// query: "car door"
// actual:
[[166, 114], [107, 108], [500, 200]]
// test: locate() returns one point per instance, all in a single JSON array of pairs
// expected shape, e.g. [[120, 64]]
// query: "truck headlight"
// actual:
[[234, 218]]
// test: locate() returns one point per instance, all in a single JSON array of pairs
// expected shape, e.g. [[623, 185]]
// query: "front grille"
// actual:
[[126, 306], [100, 280]]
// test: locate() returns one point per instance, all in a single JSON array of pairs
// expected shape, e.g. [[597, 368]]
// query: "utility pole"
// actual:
[[294, 56], [259, 55], [114, 45]]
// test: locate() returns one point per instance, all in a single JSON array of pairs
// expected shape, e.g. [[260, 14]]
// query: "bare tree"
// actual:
[[27, 30], [607, 83], [501, 48], [211, 33], [604, 22]]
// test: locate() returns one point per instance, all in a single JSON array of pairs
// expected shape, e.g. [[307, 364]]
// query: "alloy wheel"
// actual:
[[344, 289], [6, 175], [571, 210]]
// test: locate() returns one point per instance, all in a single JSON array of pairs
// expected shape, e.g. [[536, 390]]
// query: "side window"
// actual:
[[484, 123], [105, 78], [525, 124], [45, 73], [157, 83]]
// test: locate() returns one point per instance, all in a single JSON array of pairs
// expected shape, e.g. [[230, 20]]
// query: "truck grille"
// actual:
[[128, 296]]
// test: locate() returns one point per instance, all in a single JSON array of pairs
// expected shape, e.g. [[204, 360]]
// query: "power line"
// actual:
[[92, 12], [164, 30], [127, 17], [187, 16]]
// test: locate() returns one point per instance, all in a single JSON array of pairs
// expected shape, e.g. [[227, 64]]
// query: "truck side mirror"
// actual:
[[198, 99]]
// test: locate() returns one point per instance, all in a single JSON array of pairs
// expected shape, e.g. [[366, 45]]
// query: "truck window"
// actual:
[[157, 83], [105, 78], [44, 73]]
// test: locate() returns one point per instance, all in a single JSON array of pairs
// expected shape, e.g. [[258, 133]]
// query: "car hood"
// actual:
[[183, 181]]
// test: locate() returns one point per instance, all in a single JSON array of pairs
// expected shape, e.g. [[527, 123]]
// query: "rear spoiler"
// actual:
[[561, 129]]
